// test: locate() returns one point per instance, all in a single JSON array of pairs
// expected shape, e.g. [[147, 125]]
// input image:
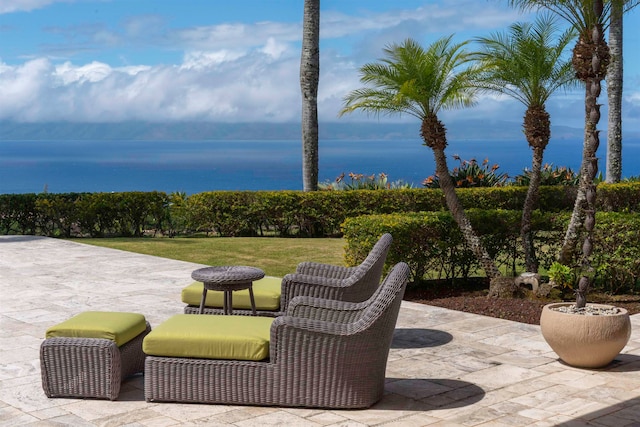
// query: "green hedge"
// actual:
[[425, 235], [319, 214], [432, 245], [431, 242], [259, 213], [81, 214]]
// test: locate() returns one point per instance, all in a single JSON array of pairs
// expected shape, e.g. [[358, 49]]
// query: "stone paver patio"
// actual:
[[446, 368]]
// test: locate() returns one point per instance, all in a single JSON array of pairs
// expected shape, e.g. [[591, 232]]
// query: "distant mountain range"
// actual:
[[459, 130]]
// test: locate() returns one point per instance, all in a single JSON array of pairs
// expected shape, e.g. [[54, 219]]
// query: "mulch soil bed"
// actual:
[[471, 298]]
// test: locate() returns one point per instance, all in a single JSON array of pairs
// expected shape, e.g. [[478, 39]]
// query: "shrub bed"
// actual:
[[432, 245], [260, 213]]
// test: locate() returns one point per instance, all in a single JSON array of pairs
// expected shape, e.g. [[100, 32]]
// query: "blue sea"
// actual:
[[197, 166]]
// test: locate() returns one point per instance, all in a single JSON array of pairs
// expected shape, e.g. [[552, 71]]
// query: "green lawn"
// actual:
[[276, 256]]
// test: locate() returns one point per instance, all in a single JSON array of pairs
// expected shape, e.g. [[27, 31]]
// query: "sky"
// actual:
[[237, 61]]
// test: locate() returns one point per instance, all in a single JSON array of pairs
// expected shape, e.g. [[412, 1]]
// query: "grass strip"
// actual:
[[276, 256]]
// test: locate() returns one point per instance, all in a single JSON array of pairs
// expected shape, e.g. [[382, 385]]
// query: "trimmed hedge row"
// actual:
[[81, 214], [251, 213], [432, 245]]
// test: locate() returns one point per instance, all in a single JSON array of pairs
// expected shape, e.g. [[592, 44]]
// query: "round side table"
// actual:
[[227, 279]]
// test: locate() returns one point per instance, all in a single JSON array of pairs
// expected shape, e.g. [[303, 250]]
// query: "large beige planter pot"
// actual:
[[585, 341]]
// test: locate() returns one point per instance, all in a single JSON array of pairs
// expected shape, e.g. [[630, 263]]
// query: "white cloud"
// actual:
[[198, 59], [374, 29], [243, 72], [274, 48], [93, 72], [631, 109], [256, 85], [12, 6], [223, 86], [21, 88], [633, 98], [432, 18], [235, 36]]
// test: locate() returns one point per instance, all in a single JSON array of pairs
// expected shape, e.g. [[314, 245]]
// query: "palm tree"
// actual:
[[614, 95], [421, 82], [525, 64], [590, 61], [309, 77]]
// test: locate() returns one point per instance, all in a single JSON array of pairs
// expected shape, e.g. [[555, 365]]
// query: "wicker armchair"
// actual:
[[327, 354], [352, 284]]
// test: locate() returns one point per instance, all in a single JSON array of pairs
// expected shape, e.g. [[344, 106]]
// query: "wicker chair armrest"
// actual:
[[302, 325], [294, 285], [326, 310], [324, 270], [306, 280]]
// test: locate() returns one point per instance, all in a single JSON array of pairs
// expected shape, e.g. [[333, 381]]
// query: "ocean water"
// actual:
[[196, 166]]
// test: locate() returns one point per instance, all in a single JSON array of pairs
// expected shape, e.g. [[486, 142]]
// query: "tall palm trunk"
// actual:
[[590, 60], [526, 233], [309, 78], [614, 94], [434, 136], [457, 211], [537, 128]]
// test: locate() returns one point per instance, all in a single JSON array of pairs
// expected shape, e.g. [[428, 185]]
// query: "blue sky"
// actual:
[[234, 61]]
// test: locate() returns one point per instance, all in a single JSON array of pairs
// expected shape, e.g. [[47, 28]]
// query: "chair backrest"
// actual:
[[385, 302], [323, 363], [373, 335], [364, 281]]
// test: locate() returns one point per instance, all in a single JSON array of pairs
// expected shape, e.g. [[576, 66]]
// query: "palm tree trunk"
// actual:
[[537, 129], [457, 211], [309, 78], [599, 65], [531, 262], [589, 172], [614, 94]]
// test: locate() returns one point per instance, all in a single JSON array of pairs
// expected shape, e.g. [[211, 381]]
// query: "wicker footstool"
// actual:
[[89, 354]]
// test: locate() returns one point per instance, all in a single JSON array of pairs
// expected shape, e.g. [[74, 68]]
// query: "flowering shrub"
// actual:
[[549, 175], [471, 174], [360, 181]]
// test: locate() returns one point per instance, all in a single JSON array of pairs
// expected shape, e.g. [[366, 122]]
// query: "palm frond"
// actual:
[[525, 62], [414, 80], [579, 13]]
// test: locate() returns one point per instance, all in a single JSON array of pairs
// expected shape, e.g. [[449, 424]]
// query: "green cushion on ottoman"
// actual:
[[205, 336], [115, 326], [266, 293]]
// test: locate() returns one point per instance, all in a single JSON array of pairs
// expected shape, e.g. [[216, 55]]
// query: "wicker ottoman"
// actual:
[[89, 354]]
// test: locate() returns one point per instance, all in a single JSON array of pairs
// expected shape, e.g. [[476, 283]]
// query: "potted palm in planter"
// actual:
[[581, 335]]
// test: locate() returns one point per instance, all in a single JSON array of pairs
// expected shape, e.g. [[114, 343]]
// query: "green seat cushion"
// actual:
[[266, 293], [114, 326], [203, 336]]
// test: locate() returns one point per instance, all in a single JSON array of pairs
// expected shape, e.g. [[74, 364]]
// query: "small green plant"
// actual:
[[360, 181], [562, 276], [472, 174]]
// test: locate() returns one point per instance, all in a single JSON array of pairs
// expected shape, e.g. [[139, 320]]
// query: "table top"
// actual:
[[227, 274]]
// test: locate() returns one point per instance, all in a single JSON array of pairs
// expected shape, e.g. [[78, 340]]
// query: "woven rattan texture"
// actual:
[[319, 280], [313, 362], [227, 275], [89, 367]]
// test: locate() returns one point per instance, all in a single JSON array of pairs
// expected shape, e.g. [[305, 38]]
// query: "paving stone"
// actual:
[[445, 368]]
